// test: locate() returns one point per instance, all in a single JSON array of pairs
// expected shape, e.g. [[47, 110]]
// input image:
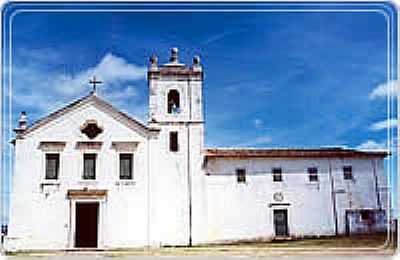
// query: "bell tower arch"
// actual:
[[175, 90]]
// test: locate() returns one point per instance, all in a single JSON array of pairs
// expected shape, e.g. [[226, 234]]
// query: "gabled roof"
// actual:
[[335, 152], [92, 98]]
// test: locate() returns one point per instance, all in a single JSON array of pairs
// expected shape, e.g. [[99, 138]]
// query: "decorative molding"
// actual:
[[52, 146], [125, 146], [278, 204], [48, 187], [86, 194], [278, 196], [89, 145], [91, 128]]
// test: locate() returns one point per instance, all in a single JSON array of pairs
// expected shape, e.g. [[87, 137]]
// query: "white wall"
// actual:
[[176, 180], [42, 218], [169, 193], [359, 193], [237, 211]]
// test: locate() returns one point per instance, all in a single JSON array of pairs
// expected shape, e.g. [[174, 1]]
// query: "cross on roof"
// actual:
[[94, 82]]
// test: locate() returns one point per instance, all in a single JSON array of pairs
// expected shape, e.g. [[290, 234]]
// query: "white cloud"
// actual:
[[385, 89], [111, 69], [38, 89], [258, 123], [44, 55], [219, 36], [260, 140], [371, 145], [115, 96], [384, 124]]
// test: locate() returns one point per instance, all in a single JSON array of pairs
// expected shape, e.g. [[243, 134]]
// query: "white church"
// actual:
[[91, 176]]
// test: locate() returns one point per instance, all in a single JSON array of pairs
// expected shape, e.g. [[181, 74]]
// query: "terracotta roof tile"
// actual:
[[291, 153]]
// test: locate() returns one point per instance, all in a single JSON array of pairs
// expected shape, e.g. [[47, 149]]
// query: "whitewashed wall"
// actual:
[[176, 182], [237, 211], [169, 193], [43, 221], [359, 193]]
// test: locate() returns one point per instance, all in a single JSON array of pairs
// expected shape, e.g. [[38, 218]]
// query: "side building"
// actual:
[[269, 193]]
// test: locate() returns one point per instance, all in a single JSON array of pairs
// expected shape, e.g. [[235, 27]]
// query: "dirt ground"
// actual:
[[377, 244]]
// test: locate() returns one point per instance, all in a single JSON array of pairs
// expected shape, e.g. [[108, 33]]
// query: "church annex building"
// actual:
[[90, 176]]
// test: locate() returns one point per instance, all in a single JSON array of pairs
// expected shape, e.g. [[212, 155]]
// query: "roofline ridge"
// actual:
[[120, 111], [32, 126], [91, 97]]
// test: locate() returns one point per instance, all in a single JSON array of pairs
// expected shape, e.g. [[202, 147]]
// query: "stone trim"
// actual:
[[89, 145], [124, 146], [51, 146], [278, 204], [86, 194]]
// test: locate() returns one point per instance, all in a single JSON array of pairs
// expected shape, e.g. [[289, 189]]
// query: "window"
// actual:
[[4, 229], [125, 166], [173, 141], [52, 166], [89, 166], [277, 174], [241, 175], [173, 102], [367, 216], [313, 174], [347, 173]]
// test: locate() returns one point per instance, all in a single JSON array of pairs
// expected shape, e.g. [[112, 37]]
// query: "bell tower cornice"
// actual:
[[174, 70]]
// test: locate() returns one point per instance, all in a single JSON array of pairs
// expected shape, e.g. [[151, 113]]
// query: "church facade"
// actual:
[[90, 176]]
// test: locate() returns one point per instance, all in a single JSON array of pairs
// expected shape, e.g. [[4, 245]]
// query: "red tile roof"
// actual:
[[291, 153]]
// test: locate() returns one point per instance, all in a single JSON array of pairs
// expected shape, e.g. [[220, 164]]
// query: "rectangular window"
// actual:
[[367, 216], [125, 166], [277, 174], [313, 174], [347, 173], [89, 166], [52, 166], [241, 175], [173, 141]]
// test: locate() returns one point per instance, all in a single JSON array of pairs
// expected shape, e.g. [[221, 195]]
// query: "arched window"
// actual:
[[173, 102]]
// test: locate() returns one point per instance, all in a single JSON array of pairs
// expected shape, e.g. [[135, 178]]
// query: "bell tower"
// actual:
[[176, 108], [175, 90]]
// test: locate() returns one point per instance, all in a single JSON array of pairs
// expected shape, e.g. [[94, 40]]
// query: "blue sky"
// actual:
[[272, 79]]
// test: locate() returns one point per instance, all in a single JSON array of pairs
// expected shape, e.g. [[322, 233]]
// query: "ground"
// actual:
[[289, 257], [356, 246]]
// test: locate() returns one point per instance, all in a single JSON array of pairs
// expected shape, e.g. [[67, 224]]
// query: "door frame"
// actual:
[[287, 221], [72, 221]]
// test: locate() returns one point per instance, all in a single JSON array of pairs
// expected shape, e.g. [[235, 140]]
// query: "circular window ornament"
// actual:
[[278, 196]]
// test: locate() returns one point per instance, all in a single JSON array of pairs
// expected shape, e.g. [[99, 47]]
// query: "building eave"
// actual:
[[236, 153]]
